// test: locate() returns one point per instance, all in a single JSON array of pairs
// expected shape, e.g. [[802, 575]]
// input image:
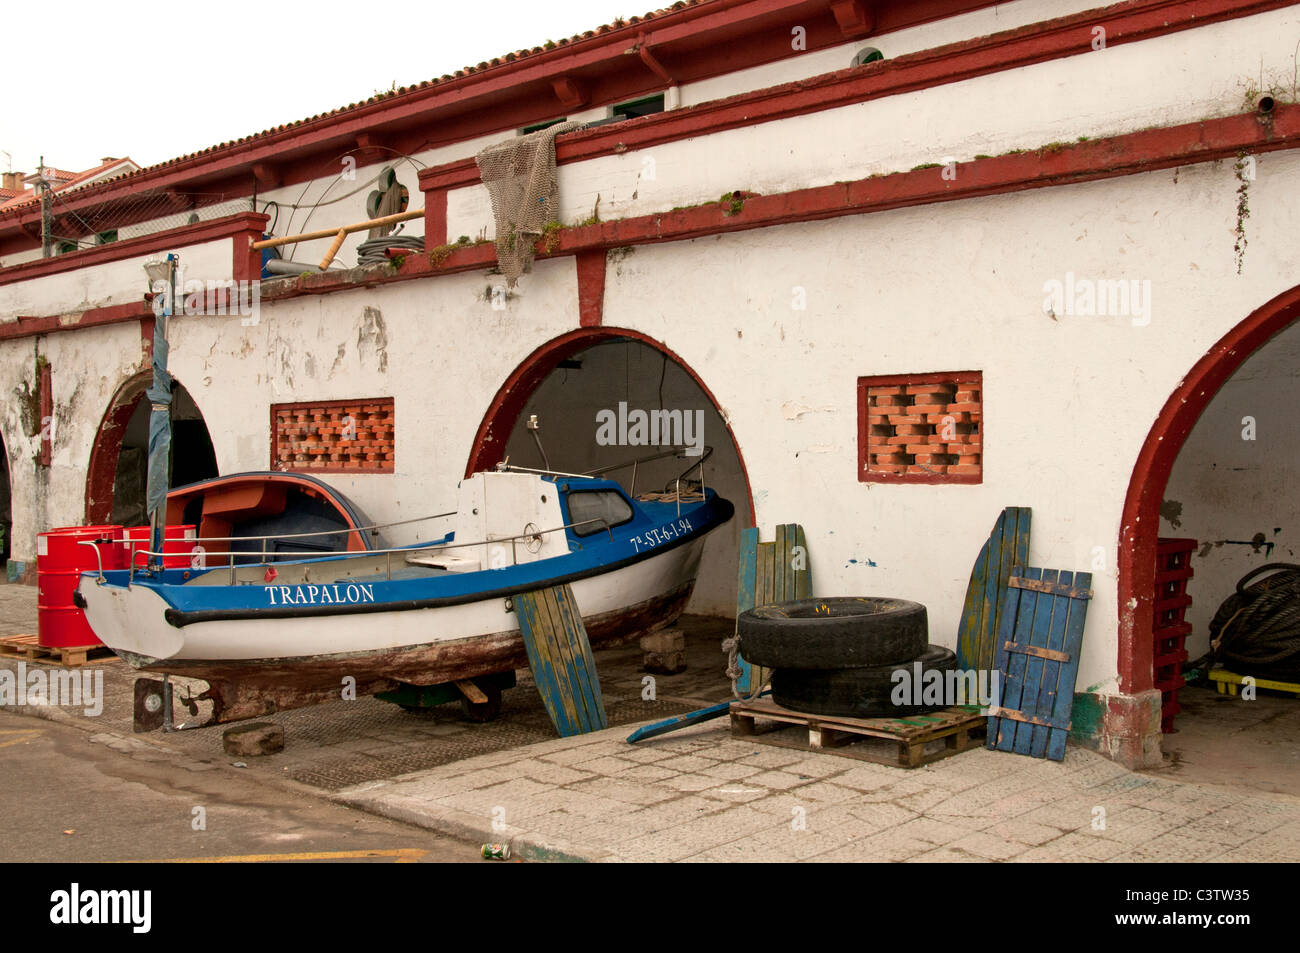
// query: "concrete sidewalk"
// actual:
[[701, 795]]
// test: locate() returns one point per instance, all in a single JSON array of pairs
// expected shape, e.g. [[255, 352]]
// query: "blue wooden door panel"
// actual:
[[1040, 633]]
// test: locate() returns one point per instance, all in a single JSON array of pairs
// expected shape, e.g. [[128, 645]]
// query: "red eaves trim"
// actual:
[[1066, 36], [714, 38], [240, 223], [76, 320], [1145, 151]]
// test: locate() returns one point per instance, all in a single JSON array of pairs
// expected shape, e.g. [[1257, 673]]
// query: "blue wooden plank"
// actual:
[[745, 595], [1069, 671], [1044, 604], [1051, 669], [559, 647], [1021, 624], [1014, 552], [584, 664], [534, 624], [972, 617], [987, 634], [1010, 602]]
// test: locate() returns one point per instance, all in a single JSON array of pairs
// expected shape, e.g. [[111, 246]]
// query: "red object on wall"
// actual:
[[60, 561], [921, 428], [336, 436], [1169, 637], [46, 386]]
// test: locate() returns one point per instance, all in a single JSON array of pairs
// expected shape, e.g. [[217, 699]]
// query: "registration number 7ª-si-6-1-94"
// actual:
[[664, 534]]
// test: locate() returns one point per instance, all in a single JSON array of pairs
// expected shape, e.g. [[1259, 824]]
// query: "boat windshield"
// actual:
[[605, 506]]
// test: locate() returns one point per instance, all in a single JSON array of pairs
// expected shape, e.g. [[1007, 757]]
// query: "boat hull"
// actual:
[[256, 668]]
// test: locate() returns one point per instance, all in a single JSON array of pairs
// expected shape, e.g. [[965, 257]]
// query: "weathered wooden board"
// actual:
[[770, 572], [559, 655], [1007, 546], [1039, 637]]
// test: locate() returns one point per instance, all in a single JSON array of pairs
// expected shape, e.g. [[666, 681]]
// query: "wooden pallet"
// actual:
[[27, 647], [901, 742], [1228, 682]]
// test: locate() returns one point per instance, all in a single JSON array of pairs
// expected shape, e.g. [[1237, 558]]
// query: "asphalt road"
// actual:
[[66, 798]]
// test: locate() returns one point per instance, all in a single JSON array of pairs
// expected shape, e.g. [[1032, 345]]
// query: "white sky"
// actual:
[[77, 86]]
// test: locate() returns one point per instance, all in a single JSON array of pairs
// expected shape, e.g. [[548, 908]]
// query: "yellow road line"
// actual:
[[24, 734], [403, 855]]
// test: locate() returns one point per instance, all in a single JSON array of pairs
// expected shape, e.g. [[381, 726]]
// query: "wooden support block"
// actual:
[[471, 691]]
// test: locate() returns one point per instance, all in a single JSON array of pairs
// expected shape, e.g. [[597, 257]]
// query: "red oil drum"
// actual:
[[179, 540], [60, 561]]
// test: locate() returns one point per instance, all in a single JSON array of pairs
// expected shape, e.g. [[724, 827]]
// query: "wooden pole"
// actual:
[[334, 248], [345, 230]]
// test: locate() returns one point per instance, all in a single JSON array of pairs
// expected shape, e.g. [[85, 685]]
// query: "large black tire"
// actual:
[[841, 632], [855, 692]]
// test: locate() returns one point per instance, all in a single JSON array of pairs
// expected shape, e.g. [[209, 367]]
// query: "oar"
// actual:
[[681, 721]]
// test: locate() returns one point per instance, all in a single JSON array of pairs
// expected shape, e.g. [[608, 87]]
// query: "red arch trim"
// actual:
[[102, 470], [1140, 524], [503, 413]]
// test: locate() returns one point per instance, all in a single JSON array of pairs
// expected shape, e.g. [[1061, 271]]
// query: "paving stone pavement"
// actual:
[[701, 795]]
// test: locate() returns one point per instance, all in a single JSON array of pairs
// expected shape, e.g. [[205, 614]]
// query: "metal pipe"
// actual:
[[99, 561], [284, 266]]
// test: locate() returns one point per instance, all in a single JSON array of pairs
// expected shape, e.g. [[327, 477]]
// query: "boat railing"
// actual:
[[133, 545], [676, 494], [530, 535]]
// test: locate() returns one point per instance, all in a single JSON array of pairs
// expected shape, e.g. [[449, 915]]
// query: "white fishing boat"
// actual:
[[274, 632]]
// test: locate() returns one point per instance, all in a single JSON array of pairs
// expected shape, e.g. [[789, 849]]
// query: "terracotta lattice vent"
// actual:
[[921, 428], [340, 436]]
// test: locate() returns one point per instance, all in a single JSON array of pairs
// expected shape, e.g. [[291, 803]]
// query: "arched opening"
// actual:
[[572, 379], [116, 483], [1189, 451]]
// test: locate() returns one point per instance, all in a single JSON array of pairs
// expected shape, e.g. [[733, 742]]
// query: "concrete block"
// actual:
[[665, 652]]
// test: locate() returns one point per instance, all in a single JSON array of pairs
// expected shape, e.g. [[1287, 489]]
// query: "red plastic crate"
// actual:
[[1170, 630]]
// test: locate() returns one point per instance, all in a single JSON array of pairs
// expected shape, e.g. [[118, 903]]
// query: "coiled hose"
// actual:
[[371, 251], [1257, 629]]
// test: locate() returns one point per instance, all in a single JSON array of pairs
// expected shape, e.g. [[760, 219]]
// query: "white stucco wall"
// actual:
[[954, 287], [1181, 77], [110, 283]]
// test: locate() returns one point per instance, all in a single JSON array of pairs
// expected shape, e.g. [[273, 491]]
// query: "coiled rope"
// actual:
[[1257, 629]]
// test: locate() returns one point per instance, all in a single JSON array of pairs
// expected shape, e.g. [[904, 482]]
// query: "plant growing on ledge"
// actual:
[[550, 239], [733, 203]]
